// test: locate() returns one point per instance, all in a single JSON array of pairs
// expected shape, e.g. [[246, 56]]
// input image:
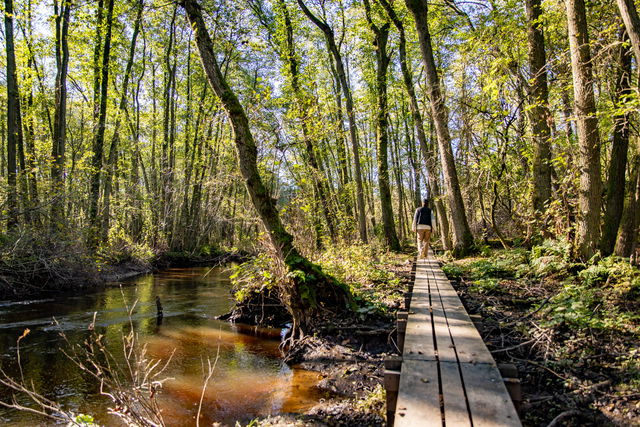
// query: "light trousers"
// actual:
[[423, 237]]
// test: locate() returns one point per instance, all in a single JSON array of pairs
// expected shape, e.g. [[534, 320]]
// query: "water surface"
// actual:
[[249, 379]]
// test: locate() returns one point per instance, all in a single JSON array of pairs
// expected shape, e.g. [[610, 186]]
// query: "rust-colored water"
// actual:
[[249, 379]]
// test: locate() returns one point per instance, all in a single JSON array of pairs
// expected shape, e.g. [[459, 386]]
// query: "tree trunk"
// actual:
[[328, 32], [322, 191], [629, 15], [60, 113], [310, 287], [168, 130], [428, 155], [539, 101], [614, 202], [463, 239], [381, 38], [589, 198], [629, 225], [98, 143], [13, 117], [30, 123], [113, 149]]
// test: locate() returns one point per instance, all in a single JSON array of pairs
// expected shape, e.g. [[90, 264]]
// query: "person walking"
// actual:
[[422, 226]]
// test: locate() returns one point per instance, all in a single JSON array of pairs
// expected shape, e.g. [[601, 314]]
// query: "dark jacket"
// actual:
[[422, 216]]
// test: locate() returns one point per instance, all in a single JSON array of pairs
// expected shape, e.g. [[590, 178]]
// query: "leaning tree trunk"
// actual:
[[614, 202], [310, 287], [463, 239], [540, 115], [428, 155], [589, 198]]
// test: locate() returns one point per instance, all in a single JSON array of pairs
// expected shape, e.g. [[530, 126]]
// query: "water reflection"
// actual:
[[249, 378]]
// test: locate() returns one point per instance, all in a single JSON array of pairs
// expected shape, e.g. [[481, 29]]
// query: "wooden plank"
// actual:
[[418, 339], [488, 398], [462, 363], [444, 344], [418, 399], [456, 412], [470, 347]]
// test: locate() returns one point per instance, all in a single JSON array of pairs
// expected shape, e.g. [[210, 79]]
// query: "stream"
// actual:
[[249, 379]]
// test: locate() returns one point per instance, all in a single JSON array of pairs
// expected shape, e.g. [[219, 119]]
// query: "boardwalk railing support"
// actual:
[[407, 300], [509, 374], [401, 328], [392, 367]]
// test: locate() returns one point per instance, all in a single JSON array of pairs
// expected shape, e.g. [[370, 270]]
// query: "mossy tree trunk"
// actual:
[[589, 195], [309, 288]]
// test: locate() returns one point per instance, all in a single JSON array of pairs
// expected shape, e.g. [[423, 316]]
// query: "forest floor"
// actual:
[[572, 330]]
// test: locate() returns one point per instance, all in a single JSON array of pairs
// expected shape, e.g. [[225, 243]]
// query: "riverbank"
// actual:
[[349, 353], [48, 265]]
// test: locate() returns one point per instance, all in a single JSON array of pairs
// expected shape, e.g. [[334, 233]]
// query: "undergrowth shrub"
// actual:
[[254, 276], [489, 268], [551, 247], [453, 271], [551, 257], [486, 286], [364, 269], [120, 248], [582, 306], [599, 295], [32, 261]]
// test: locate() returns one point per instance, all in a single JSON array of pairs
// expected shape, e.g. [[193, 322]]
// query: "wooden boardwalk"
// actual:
[[448, 376]]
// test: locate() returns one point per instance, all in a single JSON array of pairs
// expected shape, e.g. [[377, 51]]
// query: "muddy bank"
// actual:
[[348, 353]]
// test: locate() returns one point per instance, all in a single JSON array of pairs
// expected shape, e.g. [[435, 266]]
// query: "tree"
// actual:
[[98, 143], [463, 239], [589, 197], [310, 286], [428, 155], [14, 122], [629, 15], [614, 201], [302, 106], [62, 12], [628, 235], [381, 38], [353, 130], [540, 115]]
